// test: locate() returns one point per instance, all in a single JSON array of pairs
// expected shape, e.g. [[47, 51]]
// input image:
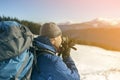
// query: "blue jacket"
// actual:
[[51, 66]]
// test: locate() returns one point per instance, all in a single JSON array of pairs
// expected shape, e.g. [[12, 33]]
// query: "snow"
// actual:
[[108, 20], [95, 63]]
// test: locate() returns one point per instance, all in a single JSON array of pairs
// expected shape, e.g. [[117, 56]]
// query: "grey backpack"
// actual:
[[14, 39], [15, 58]]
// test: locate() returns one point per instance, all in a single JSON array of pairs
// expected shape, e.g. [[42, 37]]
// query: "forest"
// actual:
[[34, 27]]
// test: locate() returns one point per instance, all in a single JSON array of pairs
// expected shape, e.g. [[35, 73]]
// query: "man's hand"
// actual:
[[65, 49]]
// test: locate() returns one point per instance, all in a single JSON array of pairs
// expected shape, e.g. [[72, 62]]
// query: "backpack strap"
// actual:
[[45, 50], [33, 50], [28, 75]]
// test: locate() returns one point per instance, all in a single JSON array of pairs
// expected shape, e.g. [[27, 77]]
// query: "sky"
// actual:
[[60, 11]]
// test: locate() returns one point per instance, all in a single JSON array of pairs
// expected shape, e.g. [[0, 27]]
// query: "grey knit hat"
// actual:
[[50, 30]]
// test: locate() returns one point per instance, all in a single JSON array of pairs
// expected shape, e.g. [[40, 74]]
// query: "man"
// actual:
[[50, 66]]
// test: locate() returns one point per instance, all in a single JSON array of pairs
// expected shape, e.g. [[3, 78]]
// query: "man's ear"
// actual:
[[52, 40]]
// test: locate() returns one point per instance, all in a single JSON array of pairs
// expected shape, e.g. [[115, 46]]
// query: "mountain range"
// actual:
[[98, 32]]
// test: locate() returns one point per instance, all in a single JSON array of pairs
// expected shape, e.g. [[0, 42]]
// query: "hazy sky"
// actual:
[[60, 10]]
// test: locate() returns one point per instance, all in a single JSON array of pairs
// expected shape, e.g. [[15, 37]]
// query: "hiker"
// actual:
[[15, 58], [50, 66]]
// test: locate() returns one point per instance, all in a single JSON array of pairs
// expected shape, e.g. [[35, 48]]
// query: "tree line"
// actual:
[[34, 27]]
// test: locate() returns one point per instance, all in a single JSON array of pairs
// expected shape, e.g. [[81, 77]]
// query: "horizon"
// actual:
[[99, 19], [60, 11]]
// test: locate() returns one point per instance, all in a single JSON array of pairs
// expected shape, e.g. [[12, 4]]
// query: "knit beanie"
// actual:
[[50, 30]]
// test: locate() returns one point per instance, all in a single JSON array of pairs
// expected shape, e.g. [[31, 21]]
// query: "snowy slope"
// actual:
[[96, 63]]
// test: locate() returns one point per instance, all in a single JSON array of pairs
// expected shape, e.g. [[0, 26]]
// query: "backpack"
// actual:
[[15, 58]]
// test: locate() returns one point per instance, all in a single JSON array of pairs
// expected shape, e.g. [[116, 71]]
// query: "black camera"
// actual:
[[67, 42]]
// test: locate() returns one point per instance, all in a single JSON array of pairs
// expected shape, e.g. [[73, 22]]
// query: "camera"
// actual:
[[67, 43]]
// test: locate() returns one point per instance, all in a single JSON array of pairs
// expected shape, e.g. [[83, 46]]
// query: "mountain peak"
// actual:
[[107, 21]]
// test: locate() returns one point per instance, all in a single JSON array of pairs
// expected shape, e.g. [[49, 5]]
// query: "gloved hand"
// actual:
[[65, 49]]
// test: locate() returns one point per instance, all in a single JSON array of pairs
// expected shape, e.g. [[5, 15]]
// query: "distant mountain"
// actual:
[[65, 23], [98, 32], [100, 22], [96, 23]]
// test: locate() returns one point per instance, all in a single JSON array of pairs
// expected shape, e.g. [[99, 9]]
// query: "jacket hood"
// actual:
[[44, 43]]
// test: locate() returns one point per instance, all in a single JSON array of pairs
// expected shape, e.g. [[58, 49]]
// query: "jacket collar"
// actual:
[[44, 43]]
